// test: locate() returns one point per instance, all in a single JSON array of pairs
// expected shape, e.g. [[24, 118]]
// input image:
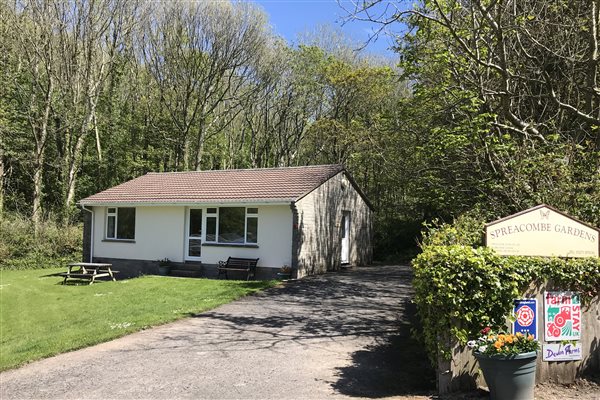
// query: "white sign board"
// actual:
[[542, 231], [562, 352]]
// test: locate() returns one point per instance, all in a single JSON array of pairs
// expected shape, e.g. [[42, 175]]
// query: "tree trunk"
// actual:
[[200, 144], [1, 179], [36, 215], [41, 137], [73, 168]]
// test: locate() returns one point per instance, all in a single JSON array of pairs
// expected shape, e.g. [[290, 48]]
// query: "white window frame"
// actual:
[[110, 214], [217, 217], [115, 214], [253, 215]]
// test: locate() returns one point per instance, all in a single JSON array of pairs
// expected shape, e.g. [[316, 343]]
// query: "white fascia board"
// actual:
[[186, 204]]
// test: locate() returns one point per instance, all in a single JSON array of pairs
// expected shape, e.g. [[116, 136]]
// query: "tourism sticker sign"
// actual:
[[542, 231], [562, 316], [525, 311]]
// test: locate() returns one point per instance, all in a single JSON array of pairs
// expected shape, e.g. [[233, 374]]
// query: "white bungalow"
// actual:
[[314, 219]]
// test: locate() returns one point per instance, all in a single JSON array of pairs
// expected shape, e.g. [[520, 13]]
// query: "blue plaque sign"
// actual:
[[525, 311]]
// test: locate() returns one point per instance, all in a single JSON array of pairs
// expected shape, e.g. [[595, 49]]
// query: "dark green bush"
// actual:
[[22, 248], [461, 288]]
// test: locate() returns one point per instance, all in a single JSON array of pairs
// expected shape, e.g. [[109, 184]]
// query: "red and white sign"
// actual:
[[525, 316], [562, 316]]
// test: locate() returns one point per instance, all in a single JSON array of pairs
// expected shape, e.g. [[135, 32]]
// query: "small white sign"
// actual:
[[562, 352]]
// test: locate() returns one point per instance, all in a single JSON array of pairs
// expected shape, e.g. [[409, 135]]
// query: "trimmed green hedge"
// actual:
[[460, 288]]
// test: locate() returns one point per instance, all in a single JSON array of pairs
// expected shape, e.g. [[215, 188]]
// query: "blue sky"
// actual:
[[292, 17]]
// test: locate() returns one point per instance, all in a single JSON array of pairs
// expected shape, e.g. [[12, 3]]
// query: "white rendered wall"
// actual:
[[274, 240], [160, 233]]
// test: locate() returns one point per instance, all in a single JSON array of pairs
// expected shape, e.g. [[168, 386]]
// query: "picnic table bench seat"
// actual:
[[247, 265], [89, 271]]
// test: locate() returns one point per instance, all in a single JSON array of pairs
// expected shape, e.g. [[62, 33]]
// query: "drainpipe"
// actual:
[[295, 238], [91, 211]]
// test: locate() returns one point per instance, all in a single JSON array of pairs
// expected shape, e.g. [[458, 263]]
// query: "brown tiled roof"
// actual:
[[241, 185]]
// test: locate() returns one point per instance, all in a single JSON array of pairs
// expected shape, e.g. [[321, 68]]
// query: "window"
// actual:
[[252, 225], [120, 223], [211, 224], [232, 225]]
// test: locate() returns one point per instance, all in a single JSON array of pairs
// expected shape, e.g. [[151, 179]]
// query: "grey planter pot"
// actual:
[[509, 377], [163, 270]]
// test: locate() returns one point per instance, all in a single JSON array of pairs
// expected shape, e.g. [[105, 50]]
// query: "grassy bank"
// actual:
[[39, 317]]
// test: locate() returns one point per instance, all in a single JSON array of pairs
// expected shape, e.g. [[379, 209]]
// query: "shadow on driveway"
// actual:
[[371, 302]]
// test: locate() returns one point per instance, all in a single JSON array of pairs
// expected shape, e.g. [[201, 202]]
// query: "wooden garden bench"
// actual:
[[247, 265]]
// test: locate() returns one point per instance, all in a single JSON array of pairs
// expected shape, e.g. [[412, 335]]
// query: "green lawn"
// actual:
[[39, 317]]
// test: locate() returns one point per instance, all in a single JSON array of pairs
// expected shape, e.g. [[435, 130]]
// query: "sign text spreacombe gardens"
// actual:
[[542, 231]]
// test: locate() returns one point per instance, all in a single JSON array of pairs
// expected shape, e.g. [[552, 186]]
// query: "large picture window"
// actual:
[[232, 225], [120, 223]]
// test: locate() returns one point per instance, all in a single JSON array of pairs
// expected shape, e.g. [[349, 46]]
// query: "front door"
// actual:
[[346, 237], [193, 250]]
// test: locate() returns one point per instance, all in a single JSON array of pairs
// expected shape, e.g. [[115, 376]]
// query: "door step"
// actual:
[[187, 270], [186, 273]]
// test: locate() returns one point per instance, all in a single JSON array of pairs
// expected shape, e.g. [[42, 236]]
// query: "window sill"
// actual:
[[119, 240], [248, 246]]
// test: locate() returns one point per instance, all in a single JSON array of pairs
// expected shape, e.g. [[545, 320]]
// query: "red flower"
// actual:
[[485, 330]]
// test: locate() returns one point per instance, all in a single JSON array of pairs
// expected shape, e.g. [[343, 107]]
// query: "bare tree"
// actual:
[[90, 36], [67, 51], [32, 31], [200, 54], [534, 64]]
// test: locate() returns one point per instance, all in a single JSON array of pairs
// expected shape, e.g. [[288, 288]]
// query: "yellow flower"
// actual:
[[509, 338], [519, 335], [498, 344], [530, 337]]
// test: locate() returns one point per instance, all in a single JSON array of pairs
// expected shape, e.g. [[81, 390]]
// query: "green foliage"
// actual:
[[34, 303], [444, 133], [460, 288], [467, 230], [395, 239], [22, 248]]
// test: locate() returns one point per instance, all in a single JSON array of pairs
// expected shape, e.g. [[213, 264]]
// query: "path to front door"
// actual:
[[340, 335]]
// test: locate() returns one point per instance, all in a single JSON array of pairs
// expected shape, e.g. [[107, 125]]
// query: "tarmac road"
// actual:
[[339, 335]]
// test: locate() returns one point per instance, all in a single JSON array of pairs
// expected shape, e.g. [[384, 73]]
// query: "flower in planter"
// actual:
[[164, 262], [286, 269], [492, 343]]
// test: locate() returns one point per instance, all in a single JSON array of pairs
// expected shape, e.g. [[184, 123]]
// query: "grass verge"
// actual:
[[39, 317]]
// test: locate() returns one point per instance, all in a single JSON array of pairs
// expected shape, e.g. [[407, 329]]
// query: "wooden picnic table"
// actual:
[[90, 271]]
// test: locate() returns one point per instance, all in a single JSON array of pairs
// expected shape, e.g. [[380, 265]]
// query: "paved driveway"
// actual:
[[333, 336]]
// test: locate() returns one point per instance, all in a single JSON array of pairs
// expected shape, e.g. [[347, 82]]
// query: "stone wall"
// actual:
[[318, 227], [462, 372]]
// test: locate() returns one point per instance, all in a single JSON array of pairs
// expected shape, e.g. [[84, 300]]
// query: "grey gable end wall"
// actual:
[[319, 227]]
